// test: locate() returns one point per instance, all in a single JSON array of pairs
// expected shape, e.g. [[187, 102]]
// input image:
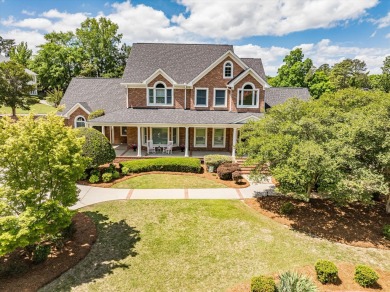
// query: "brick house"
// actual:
[[195, 95]]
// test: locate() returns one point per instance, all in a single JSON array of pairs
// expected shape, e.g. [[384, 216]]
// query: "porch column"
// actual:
[[139, 141], [186, 143], [103, 130], [112, 134], [234, 143]]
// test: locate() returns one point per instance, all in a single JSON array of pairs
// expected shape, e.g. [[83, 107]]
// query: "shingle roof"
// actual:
[[257, 65], [94, 94], [182, 62], [172, 116], [278, 95]]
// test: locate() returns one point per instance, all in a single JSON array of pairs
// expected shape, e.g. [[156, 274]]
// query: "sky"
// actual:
[[328, 31]]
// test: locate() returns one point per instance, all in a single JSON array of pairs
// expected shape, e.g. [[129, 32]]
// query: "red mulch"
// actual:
[[353, 224], [36, 276]]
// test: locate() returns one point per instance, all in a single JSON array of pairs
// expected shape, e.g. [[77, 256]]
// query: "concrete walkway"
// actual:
[[91, 195]]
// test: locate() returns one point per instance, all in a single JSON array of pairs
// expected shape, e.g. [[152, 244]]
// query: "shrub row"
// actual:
[[177, 164], [216, 160]]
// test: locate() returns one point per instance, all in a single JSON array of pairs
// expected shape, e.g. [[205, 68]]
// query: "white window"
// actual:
[[248, 96], [79, 122], [200, 137], [201, 97], [160, 95], [219, 138], [228, 70], [220, 97], [124, 131]]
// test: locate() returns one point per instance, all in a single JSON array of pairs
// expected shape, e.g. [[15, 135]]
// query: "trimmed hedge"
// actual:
[[263, 284], [225, 171], [327, 271], [216, 160], [177, 164], [107, 177], [365, 276]]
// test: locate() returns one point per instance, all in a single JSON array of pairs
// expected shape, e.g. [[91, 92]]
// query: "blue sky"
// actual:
[[327, 30]]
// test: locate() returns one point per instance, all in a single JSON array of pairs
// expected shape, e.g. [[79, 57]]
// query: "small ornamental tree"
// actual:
[[40, 161], [96, 147]]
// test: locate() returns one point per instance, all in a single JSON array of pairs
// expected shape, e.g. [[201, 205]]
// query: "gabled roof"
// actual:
[[257, 65], [278, 95], [182, 62], [94, 94], [247, 72], [174, 116]]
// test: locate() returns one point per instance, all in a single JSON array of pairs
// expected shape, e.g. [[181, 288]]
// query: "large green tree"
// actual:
[[15, 87], [338, 145], [40, 161], [349, 73], [21, 54], [385, 80], [318, 82], [294, 70], [6, 45]]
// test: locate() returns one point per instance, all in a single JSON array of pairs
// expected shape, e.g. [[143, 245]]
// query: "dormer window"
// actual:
[[248, 96], [79, 122], [160, 95], [228, 70]]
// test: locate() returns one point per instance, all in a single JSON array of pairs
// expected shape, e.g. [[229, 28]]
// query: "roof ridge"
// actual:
[[196, 44]]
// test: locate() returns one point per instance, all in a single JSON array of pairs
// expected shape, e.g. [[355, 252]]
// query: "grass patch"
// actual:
[[38, 108], [168, 181], [194, 245]]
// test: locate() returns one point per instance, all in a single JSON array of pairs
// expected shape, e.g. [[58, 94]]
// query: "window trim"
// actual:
[[207, 96], [75, 121], [240, 96], [224, 70], [122, 132], [203, 145], [215, 96], [154, 88], [224, 138]]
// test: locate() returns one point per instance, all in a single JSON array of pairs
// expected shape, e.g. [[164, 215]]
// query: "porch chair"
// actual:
[[149, 146], [169, 147]]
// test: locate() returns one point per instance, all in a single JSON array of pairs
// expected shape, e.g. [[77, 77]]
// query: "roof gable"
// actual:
[[247, 72]]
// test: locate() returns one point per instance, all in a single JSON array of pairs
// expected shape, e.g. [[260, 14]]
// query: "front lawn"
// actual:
[[194, 245], [168, 181], [38, 108]]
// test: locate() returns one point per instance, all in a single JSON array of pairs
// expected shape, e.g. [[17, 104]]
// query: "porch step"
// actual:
[[245, 169]]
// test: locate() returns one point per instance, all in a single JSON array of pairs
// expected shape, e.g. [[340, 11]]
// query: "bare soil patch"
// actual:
[[345, 283], [204, 174], [31, 277], [354, 224]]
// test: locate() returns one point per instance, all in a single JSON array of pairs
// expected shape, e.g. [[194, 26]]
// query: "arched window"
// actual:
[[159, 94], [248, 96], [79, 122], [228, 70]]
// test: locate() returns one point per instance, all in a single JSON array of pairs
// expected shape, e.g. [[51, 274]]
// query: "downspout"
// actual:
[[127, 100], [185, 96], [230, 99]]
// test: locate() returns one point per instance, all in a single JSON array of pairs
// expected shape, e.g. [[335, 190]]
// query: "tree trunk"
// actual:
[[388, 204], [13, 112]]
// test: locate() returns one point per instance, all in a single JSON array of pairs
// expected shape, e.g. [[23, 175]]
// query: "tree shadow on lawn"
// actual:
[[354, 224], [116, 241]]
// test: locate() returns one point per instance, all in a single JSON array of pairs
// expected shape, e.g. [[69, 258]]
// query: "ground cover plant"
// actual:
[[176, 164], [167, 181], [195, 245]]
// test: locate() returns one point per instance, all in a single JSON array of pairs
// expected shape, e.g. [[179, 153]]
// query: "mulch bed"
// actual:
[[345, 283], [353, 224], [36, 276], [204, 174]]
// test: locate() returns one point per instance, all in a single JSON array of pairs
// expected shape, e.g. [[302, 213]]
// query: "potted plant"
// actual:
[[182, 147], [134, 147]]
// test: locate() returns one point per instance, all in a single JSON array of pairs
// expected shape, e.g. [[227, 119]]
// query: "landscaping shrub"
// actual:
[[96, 114], [294, 282], [386, 231], [125, 170], [110, 168], [236, 176], [96, 147], [177, 164], [94, 179], [226, 170], [107, 177], [327, 271], [94, 171], [287, 208], [365, 276], [263, 284], [216, 160], [115, 174], [40, 253]]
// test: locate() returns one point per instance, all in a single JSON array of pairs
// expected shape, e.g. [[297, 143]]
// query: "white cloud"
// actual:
[[232, 20], [29, 13], [322, 52], [32, 37], [384, 21]]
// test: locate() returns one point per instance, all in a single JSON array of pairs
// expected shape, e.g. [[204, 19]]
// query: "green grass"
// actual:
[[168, 181], [194, 245], [38, 108]]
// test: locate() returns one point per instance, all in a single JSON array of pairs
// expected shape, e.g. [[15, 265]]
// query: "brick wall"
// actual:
[[72, 117]]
